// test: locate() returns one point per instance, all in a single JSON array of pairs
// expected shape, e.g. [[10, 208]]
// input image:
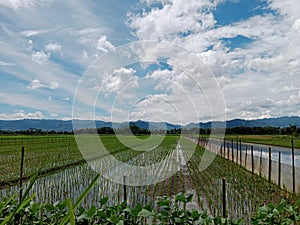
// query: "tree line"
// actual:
[[268, 130], [135, 130]]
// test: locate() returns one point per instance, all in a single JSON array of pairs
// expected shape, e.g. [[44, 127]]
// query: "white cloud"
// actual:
[[67, 118], [185, 17], [18, 4], [53, 85], [21, 114], [122, 79], [36, 84], [30, 45], [265, 68], [296, 25], [30, 33], [3, 63], [40, 57], [86, 31], [293, 99], [104, 45], [85, 55], [53, 47], [289, 9]]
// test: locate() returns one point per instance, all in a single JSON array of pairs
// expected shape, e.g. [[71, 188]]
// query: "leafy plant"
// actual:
[[282, 214]]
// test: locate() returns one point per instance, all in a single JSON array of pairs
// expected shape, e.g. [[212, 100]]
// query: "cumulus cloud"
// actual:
[[40, 57], [36, 84], [53, 85], [293, 99], [104, 45], [264, 71], [21, 114], [53, 47], [296, 25], [185, 17], [270, 57], [122, 79]]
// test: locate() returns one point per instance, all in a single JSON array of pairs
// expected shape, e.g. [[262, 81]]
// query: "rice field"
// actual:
[[179, 157]]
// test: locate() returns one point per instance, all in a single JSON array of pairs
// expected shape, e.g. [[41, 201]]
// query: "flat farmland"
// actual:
[[67, 175], [41, 152], [276, 140]]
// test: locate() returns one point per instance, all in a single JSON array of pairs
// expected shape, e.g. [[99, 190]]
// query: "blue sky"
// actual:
[[252, 48]]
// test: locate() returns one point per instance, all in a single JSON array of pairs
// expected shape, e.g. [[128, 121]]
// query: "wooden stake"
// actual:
[[224, 197], [252, 160], [232, 154], [293, 166], [279, 169], [270, 164], [21, 174]]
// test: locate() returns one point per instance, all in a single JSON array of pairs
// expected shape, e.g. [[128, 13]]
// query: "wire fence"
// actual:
[[278, 165]]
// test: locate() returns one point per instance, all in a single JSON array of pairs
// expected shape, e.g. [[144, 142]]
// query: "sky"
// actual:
[[203, 59]]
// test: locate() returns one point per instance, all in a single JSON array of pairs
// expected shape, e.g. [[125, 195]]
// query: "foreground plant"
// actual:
[[170, 211], [282, 214]]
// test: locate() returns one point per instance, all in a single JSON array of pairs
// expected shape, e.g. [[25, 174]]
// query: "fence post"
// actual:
[[246, 156], [124, 189], [260, 162], [125, 196], [237, 150], [252, 160], [232, 153], [293, 166], [279, 169], [221, 150], [224, 149], [228, 151], [21, 174], [240, 151], [270, 164], [224, 197]]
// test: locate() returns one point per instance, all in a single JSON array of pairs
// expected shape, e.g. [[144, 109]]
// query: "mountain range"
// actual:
[[61, 125]]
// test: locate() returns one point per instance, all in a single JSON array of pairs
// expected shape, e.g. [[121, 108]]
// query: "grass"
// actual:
[[45, 152], [276, 140]]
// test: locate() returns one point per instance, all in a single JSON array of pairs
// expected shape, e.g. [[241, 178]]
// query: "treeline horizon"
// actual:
[[134, 129]]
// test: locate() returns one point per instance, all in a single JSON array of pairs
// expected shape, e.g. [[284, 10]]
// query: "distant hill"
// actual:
[[60, 125], [273, 122]]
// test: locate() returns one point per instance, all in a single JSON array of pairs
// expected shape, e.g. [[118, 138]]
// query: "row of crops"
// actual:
[[47, 152], [184, 167], [279, 165]]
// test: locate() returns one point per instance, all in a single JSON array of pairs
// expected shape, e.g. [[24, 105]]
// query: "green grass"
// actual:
[[52, 152], [40, 152], [276, 140]]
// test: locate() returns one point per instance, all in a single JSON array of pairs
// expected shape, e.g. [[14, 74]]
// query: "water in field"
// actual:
[[260, 150], [71, 182], [244, 191], [263, 150], [240, 153]]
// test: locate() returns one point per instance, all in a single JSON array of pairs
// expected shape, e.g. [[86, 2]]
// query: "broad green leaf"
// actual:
[[145, 213]]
